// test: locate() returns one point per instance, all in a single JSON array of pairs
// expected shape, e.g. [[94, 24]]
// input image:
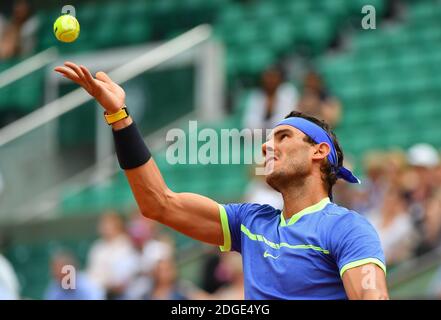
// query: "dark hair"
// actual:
[[329, 176]]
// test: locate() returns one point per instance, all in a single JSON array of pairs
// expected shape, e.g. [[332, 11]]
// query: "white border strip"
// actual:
[[28, 66]]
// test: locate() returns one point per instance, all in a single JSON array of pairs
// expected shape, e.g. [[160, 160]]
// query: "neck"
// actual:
[[297, 197]]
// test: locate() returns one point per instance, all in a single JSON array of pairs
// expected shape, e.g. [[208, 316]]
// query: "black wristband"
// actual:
[[130, 147]]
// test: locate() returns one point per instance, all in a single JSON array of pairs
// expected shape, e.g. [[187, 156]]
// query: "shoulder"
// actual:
[[338, 213], [250, 210], [254, 208], [345, 226], [343, 219]]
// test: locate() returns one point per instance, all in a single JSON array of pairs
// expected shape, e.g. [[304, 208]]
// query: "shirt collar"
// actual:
[[311, 209]]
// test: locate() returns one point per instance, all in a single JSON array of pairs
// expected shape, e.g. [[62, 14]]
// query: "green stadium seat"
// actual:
[[263, 11], [231, 14], [136, 9], [379, 5], [233, 61], [335, 8], [367, 40], [114, 12], [104, 35], [424, 13], [318, 32], [245, 33], [357, 115], [88, 14], [27, 94], [6, 96], [256, 59], [298, 8], [135, 31], [279, 35]]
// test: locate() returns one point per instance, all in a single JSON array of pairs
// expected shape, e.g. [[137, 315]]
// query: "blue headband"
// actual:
[[318, 135]]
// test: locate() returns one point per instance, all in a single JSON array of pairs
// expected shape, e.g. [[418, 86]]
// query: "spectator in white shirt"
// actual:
[[113, 261], [270, 103]]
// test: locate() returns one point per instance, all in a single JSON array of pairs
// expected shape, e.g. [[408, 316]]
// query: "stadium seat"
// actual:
[[263, 10], [318, 32], [279, 35]]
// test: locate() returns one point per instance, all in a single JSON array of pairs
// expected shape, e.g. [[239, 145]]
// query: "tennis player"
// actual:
[[313, 249]]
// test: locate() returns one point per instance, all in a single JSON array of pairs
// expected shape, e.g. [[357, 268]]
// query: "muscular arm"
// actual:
[[366, 282], [194, 215]]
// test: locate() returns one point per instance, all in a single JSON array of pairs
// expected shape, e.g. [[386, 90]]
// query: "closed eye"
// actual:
[[282, 134]]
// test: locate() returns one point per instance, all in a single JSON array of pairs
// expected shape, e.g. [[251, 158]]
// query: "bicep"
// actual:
[[191, 214], [366, 282], [195, 216]]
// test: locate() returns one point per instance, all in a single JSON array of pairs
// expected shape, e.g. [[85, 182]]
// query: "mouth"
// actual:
[[271, 159]]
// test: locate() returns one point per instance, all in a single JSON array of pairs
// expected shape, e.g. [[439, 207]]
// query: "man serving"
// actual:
[[313, 249]]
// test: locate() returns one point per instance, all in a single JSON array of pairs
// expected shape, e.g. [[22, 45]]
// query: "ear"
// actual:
[[321, 151]]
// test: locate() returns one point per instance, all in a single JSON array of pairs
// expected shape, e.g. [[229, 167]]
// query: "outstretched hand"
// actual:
[[108, 94]]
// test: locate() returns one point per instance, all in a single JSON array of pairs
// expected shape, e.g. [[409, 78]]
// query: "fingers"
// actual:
[[75, 68], [82, 76], [88, 77], [68, 73]]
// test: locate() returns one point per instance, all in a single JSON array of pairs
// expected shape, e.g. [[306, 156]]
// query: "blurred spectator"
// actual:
[[271, 103], [423, 196], [382, 169], [210, 279], [395, 227], [433, 220], [375, 182], [18, 34], [113, 261], [9, 285], [152, 248], [401, 196], [165, 282], [231, 263], [230, 271], [84, 288], [349, 196], [317, 101]]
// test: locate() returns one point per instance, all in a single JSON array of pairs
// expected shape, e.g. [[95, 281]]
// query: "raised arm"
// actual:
[[366, 282], [194, 215]]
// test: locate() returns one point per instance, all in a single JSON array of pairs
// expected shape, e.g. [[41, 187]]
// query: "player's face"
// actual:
[[288, 157]]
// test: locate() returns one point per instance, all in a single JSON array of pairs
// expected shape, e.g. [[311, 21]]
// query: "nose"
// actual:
[[267, 147]]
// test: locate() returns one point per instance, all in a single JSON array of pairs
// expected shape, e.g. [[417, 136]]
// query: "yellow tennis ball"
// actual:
[[67, 28]]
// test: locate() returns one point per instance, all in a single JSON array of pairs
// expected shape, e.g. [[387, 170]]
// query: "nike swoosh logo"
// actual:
[[267, 255]]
